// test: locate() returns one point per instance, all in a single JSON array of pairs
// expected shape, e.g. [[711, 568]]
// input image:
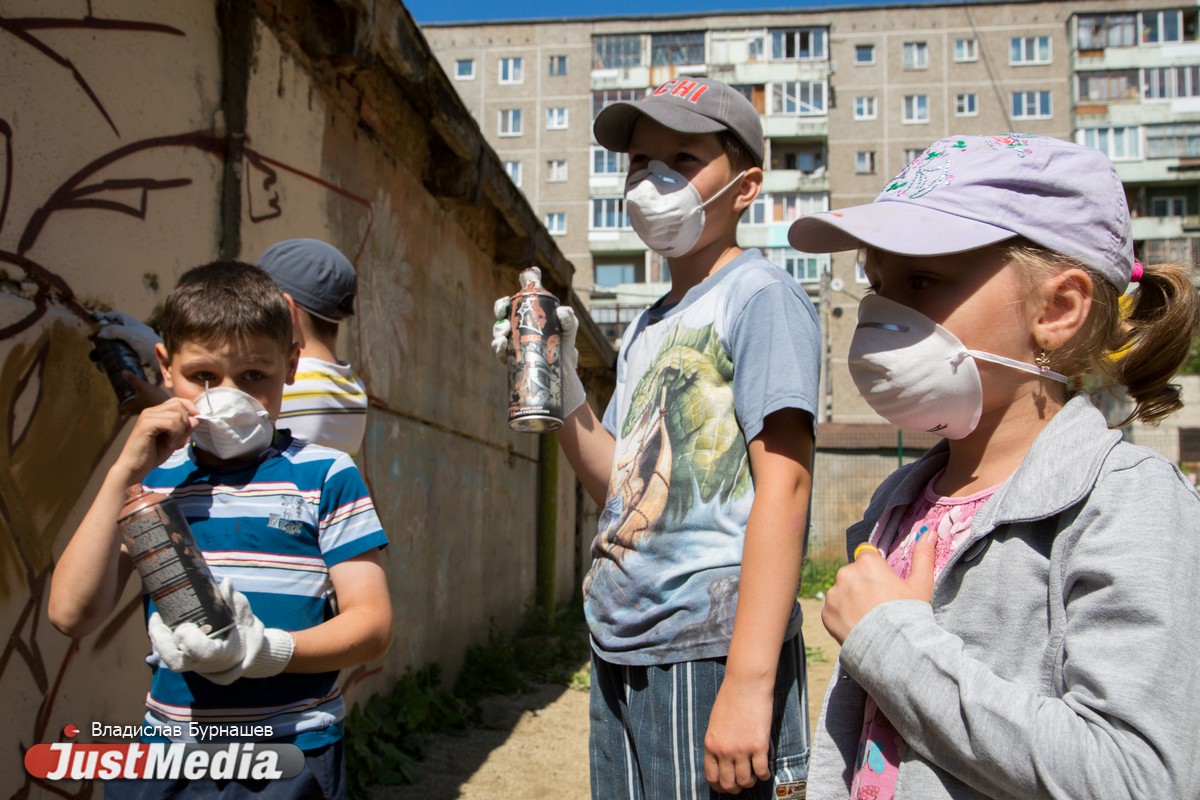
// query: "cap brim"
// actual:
[[614, 125], [895, 226]]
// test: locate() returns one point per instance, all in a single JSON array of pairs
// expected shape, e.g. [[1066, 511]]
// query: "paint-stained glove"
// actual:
[[573, 393], [248, 650]]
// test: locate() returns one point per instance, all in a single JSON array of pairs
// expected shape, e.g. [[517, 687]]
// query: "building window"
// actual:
[[606, 97], [798, 44], [966, 50], [606, 162], [558, 65], [1168, 207], [1098, 31], [864, 108], [1117, 84], [556, 119], [510, 122], [513, 168], [1175, 140], [916, 55], [1167, 83], [756, 212], [616, 51], [1031, 105], [864, 162], [803, 267], [1119, 143], [965, 105], [911, 154], [556, 223], [1159, 27], [803, 98], [1182, 250], [790, 206], [916, 108], [511, 70], [737, 47], [464, 69], [864, 54], [608, 213], [677, 49], [611, 275], [556, 170], [1028, 50]]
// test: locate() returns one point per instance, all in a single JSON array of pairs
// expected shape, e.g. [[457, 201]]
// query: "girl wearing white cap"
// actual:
[[1019, 617]]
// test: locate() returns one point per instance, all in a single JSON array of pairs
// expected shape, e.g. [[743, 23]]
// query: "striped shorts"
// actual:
[[648, 726]]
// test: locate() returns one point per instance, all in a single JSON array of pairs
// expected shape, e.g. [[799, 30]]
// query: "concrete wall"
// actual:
[[154, 136]]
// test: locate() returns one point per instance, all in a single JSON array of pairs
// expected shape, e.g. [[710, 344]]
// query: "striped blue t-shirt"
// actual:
[[274, 528]]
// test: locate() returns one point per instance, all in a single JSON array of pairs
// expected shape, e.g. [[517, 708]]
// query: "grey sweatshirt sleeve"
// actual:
[[1119, 716]]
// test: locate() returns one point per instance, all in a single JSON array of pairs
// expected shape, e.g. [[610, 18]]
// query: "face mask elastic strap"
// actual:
[[1009, 362], [736, 178]]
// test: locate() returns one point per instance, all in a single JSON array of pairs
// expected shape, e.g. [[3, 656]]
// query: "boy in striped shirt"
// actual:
[[290, 525]]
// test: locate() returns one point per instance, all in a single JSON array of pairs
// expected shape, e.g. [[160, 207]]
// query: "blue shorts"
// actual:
[[323, 778], [648, 726]]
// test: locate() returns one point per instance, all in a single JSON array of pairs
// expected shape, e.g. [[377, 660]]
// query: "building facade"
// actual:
[[848, 96]]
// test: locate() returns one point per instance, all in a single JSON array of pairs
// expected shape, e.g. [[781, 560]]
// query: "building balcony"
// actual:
[[1157, 171], [793, 180], [786, 126], [1145, 228], [764, 236], [758, 73], [1167, 55], [615, 240]]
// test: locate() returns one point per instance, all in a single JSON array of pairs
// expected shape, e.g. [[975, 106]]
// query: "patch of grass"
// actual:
[[814, 654], [817, 576]]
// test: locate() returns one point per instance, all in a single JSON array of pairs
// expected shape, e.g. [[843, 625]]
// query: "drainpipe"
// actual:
[[547, 528]]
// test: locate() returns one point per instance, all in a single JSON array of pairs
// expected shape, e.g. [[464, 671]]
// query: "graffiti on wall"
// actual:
[[59, 419]]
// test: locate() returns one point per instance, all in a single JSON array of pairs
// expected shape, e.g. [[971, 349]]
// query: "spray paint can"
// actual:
[[114, 357], [174, 572], [534, 369]]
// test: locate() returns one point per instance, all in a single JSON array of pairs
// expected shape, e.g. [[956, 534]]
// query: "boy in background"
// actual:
[[291, 525], [702, 466], [327, 404]]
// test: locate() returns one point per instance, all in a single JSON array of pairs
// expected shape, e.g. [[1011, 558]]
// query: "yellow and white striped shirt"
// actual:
[[327, 405]]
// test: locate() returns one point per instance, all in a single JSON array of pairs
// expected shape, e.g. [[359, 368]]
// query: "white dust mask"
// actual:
[[918, 375], [666, 210], [233, 425]]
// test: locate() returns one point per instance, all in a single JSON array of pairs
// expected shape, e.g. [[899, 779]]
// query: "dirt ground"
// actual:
[[534, 746]]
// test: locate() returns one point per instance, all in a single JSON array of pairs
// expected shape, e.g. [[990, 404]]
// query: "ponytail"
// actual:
[[1156, 337]]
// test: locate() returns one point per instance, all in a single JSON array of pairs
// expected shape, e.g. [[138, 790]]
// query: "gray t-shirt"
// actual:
[[694, 384]]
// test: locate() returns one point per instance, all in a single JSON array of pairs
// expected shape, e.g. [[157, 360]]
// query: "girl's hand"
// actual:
[[737, 742], [158, 432], [869, 581]]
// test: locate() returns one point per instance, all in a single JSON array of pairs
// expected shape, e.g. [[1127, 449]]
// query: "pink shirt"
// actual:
[[880, 747]]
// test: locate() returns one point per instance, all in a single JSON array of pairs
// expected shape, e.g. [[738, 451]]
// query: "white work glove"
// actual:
[[138, 335], [248, 650], [573, 393]]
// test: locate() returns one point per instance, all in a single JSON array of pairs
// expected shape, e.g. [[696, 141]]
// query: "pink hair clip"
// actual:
[[1138, 271]]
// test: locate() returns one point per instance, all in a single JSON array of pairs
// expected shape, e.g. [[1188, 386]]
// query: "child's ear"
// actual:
[[297, 328], [1067, 300], [164, 363], [748, 189], [293, 362]]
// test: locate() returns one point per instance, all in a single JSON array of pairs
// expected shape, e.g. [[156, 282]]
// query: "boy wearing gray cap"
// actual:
[[702, 465], [327, 405]]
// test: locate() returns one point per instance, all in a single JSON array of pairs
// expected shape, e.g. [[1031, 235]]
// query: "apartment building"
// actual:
[[848, 96]]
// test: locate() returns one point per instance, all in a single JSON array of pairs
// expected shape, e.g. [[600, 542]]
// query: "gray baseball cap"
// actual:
[[315, 274], [966, 192], [686, 105]]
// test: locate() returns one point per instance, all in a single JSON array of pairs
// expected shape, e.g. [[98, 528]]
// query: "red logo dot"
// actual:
[[71, 731]]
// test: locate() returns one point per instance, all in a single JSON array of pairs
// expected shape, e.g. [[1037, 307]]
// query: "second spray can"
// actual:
[[534, 369]]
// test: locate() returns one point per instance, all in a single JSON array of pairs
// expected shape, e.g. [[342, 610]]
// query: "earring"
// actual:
[[1042, 361]]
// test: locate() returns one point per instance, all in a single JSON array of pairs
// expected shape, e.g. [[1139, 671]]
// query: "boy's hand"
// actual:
[[739, 731], [248, 650], [869, 582], [141, 337], [158, 432]]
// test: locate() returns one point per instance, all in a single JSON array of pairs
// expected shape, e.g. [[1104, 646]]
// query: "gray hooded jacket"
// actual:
[[1060, 657]]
